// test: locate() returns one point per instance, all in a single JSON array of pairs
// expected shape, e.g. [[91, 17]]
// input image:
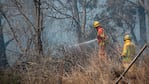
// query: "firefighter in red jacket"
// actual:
[[101, 37]]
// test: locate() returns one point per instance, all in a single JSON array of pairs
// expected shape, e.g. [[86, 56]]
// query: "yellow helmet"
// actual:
[[127, 37], [96, 24]]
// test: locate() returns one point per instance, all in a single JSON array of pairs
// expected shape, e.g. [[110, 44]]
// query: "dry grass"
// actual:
[[75, 68]]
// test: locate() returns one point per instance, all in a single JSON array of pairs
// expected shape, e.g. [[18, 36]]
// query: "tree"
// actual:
[[25, 28], [38, 25], [143, 10], [3, 44], [3, 57], [142, 20], [76, 12], [122, 14], [34, 25]]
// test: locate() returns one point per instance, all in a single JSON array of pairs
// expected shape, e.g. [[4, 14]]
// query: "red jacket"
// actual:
[[100, 35]]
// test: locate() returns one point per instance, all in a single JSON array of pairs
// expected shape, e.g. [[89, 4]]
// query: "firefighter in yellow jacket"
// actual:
[[128, 51]]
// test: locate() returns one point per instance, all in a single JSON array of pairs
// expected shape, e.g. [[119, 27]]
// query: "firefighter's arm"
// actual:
[[124, 52]]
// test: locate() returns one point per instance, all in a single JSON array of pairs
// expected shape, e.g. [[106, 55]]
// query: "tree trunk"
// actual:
[[38, 30], [75, 13], [3, 58], [83, 18], [146, 2], [143, 37], [134, 36]]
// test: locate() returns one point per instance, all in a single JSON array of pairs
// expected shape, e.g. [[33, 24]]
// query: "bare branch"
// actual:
[[13, 32], [26, 18], [67, 15], [6, 44]]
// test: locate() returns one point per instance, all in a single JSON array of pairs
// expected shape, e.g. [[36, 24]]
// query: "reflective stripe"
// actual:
[[102, 35], [101, 43]]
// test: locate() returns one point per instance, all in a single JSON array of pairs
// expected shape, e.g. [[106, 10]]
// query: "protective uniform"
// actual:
[[101, 38], [128, 51]]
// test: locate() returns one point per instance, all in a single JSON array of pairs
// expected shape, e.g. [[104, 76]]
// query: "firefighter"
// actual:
[[101, 37], [128, 51]]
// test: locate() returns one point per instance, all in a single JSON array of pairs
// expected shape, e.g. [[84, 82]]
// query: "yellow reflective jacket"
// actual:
[[129, 50]]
